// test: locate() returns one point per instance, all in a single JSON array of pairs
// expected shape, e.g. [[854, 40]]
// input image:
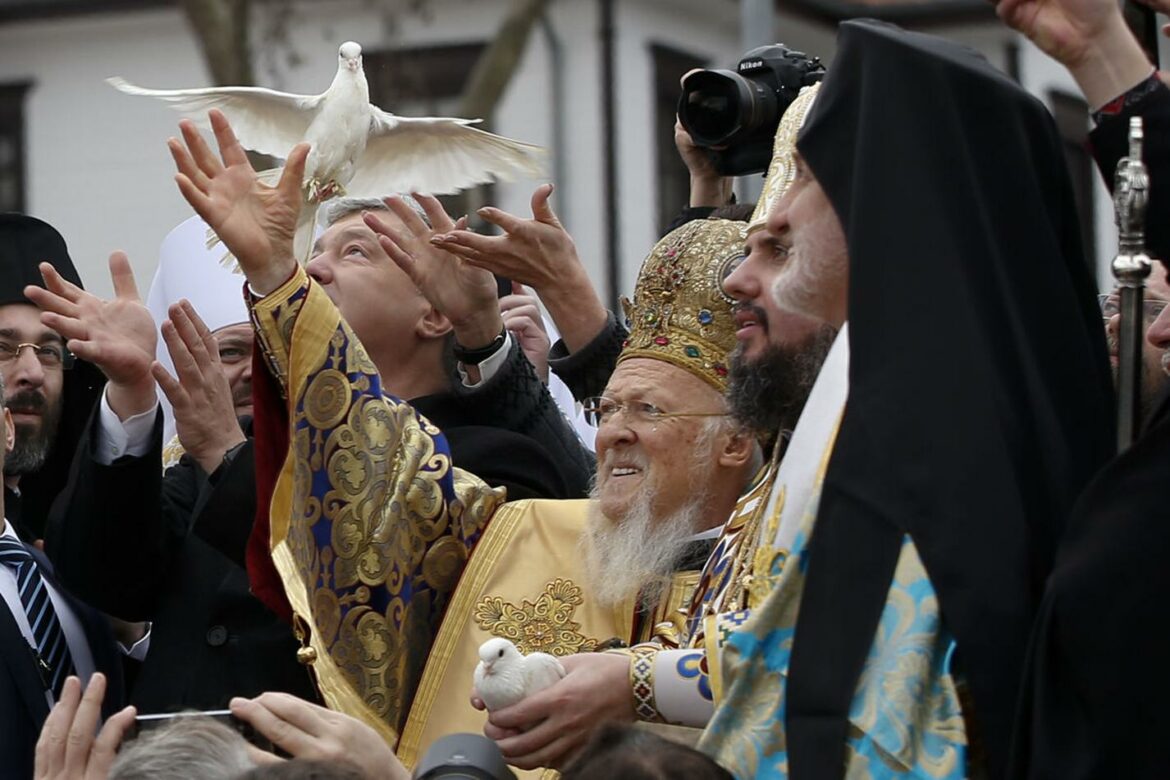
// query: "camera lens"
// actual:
[[712, 106]]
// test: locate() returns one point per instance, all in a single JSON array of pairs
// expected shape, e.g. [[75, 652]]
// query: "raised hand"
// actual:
[[310, 732], [535, 252], [540, 253], [464, 293], [117, 335], [205, 416], [550, 726], [255, 221], [67, 748], [521, 314], [1089, 37]]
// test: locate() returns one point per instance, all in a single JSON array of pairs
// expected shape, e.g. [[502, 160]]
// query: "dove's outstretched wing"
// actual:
[[437, 155], [264, 120]]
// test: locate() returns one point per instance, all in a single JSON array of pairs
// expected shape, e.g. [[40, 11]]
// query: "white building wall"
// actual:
[[99, 170], [97, 164]]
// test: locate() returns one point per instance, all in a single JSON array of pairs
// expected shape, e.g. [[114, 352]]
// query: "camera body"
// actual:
[[734, 114]]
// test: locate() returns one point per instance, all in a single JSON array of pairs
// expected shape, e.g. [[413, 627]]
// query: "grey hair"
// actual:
[[340, 208], [192, 747]]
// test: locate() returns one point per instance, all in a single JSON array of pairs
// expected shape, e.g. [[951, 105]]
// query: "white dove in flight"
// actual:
[[504, 677], [357, 148]]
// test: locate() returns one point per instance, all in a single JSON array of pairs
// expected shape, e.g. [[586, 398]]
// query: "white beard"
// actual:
[[638, 553]]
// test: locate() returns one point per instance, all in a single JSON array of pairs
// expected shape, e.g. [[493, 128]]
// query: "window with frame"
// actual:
[[12, 151]]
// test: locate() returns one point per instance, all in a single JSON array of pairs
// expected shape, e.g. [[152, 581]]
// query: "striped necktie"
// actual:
[[52, 650]]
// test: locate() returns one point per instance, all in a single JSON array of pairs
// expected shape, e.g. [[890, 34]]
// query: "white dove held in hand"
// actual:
[[505, 677]]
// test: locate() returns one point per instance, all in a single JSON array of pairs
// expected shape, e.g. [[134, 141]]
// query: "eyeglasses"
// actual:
[[49, 355], [600, 409], [1110, 304]]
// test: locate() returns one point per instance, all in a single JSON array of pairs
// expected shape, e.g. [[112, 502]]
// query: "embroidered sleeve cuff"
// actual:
[[1126, 102], [682, 690], [273, 317]]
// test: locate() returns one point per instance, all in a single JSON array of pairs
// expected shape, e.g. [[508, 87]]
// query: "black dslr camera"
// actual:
[[738, 111]]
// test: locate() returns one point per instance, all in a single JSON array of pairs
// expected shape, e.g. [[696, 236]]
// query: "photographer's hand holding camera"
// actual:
[[709, 189]]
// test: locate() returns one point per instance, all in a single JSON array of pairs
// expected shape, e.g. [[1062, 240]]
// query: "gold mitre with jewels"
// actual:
[[680, 313], [782, 169]]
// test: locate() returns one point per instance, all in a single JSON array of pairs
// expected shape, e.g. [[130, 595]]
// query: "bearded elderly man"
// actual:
[[573, 577]]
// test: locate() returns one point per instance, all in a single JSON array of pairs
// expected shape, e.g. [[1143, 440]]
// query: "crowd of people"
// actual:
[[836, 495]]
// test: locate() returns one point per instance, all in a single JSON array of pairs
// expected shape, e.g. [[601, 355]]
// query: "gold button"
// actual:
[[306, 655]]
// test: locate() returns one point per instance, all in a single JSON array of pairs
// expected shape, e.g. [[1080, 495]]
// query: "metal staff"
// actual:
[[1130, 268]]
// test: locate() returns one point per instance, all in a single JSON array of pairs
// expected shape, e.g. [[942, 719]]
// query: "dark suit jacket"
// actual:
[[171, 550], [23, 708]]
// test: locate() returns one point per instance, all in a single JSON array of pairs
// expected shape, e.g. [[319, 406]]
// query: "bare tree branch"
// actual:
[[221, 28], [498, 62]]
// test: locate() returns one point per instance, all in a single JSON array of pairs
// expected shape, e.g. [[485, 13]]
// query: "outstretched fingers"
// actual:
[[541, 210], [230, 149], [84, 726], [205, 160], [440, 219], [122, 276], [409, 217]]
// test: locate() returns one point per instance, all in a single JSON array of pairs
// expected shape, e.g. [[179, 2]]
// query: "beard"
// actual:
[[767, 394], [33, 442], [637, 554]]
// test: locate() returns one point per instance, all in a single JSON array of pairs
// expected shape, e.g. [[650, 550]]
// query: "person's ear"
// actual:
[[433, 324], [9, 431], [738, 450]]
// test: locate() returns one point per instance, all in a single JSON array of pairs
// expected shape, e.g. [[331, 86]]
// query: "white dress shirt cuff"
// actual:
[[117, 438]]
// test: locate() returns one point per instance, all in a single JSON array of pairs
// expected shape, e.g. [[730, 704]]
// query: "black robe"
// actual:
[[980, 399], [1096, 695]]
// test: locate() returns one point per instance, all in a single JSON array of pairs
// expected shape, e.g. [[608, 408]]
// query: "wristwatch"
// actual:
[[473, 357]]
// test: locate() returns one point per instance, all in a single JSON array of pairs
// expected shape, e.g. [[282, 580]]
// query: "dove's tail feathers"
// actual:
[[306, 229]]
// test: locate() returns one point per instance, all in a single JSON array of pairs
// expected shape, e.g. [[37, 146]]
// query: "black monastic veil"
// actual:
[[980, 400]]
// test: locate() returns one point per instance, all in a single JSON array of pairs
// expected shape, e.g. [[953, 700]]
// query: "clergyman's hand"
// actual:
[[557, 721], [205, 415], [256, 222], [117, 335], [310, 732]]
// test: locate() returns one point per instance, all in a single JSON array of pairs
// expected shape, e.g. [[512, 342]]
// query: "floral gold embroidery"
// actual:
[[544, 625]]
